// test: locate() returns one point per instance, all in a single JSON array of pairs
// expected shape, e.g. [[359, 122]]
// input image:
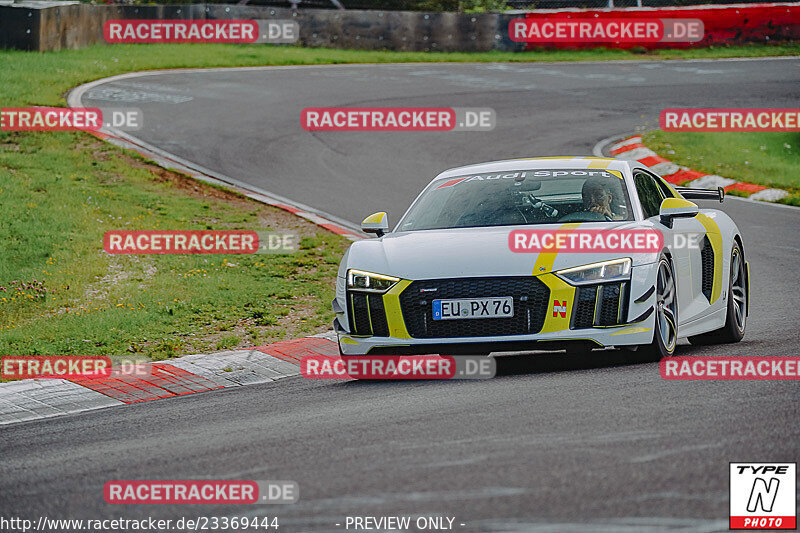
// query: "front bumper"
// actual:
[[564, 321], [636, 334]]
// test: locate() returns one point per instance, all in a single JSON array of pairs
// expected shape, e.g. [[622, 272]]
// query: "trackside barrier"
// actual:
[[723, 24], [49, 26]]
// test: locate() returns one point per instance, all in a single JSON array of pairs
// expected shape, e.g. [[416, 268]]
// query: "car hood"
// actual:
[[471, 252]]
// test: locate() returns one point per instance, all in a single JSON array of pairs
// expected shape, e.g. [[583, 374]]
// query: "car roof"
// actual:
[[533, 163]]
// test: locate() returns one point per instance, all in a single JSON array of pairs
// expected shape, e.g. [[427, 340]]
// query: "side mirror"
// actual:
[[672, 208], [377, 223]]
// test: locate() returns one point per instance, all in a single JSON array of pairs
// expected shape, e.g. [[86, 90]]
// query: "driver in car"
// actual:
[[598, 198]]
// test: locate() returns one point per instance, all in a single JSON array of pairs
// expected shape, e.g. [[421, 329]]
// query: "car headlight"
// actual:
[[358, 280], [616, 270]]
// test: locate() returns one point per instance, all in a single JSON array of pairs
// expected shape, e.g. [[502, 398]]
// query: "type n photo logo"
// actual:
[[763, 496]]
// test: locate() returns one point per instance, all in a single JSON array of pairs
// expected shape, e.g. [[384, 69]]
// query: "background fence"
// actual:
[[51, 26]]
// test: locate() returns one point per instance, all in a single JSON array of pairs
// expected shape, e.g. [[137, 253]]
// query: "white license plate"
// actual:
[[500, 307]]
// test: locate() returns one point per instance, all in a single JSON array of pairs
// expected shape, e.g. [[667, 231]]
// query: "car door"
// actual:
[[696, 234], [686, 259]]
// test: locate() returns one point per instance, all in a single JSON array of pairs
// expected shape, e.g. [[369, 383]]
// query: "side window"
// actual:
[[665, 190], [649, 192]]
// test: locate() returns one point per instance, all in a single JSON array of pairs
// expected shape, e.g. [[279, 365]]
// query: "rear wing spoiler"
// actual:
[[702, 194]]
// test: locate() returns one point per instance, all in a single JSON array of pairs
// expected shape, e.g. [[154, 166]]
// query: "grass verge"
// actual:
[[59, 192], [61, 294], [53, 73], [769, 159]]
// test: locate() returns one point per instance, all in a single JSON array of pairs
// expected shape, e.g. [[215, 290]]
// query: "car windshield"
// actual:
[[518, 197]]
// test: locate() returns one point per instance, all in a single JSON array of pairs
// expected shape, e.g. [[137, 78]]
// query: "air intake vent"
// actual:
[[367, 315], [707, 257], [586, 299], [600, 305]]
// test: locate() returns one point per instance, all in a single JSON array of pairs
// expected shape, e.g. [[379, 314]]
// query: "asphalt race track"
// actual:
[[553, 443]]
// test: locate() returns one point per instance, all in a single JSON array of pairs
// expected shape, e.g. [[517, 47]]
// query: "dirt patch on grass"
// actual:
[[268, 216]]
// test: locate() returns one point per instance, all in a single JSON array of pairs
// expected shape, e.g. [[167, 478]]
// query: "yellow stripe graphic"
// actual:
[[545, 260], [715, 237], [394, 314], [562, 292], [628, 331], [600, 163]]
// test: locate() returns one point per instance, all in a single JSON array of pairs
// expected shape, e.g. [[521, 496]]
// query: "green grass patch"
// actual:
[[769, 159], [61, 294], [43, 78]]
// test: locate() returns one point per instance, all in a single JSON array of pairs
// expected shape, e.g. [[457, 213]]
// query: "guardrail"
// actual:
[[44, 26], [723, 24]]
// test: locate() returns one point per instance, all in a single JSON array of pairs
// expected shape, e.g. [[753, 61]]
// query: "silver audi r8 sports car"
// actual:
[[460, 273]]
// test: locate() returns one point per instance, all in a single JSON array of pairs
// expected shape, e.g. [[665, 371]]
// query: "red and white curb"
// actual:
[[632, 149], [32, 399]]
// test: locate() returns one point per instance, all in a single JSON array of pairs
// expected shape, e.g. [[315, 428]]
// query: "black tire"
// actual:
[[736, 317], [665, 333]]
